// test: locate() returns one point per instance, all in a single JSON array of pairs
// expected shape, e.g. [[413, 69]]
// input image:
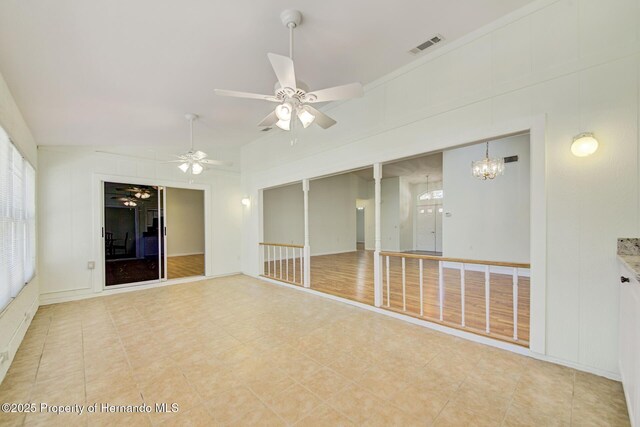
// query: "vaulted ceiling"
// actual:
[[116, 72]]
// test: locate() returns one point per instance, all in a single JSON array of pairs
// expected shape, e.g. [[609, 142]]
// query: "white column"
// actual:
[[377, 270], [307, 247]]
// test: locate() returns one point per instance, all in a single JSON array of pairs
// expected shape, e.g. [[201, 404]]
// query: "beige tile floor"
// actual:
[[237, 351]]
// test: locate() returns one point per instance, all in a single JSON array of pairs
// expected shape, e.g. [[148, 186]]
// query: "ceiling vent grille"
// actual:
[[422, 47]]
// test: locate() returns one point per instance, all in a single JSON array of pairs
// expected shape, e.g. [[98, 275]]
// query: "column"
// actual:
[[377, 270], [307, 248]]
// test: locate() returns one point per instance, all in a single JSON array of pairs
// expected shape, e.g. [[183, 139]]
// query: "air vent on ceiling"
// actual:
[[421, 47]]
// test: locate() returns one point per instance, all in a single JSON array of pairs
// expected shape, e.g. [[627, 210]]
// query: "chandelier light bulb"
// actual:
[[184, 167]]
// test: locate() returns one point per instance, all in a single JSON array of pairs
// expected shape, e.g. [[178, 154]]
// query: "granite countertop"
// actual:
[[629, 254]]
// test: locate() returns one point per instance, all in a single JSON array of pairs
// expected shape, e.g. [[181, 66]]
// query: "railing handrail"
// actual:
[[459, 260], [282, 245]]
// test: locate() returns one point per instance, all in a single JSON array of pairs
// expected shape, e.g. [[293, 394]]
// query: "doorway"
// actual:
[[429, 229], [133, 243], [185, 233], [142, 243]]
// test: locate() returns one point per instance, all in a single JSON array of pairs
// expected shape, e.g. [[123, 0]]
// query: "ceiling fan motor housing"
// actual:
[[291, 18]]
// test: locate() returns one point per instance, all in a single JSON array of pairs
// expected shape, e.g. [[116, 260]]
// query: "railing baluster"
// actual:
[[302, 267], [268, 260], [404, 286], [280, 260], [421, 291], [275, 271], [462, 301], [441, 289], [294, 264], [388, 285], [286, 251], [515, 303], [487, 295]]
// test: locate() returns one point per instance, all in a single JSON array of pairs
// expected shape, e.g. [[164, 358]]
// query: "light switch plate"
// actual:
[[91, 265]]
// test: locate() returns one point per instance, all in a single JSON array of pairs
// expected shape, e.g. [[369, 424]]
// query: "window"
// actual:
[[17, 221], [431, 195]]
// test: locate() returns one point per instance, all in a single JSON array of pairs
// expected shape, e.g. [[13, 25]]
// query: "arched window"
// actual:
[[431, 195]]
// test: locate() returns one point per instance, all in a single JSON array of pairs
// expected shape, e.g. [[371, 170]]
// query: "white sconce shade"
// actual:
[[284, 124], [584, 145], [196, 169], [246, 201], [283, 111], [306, 118]]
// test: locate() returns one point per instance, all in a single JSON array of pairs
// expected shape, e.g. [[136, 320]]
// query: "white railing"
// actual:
[[283, 262], [505, 273]]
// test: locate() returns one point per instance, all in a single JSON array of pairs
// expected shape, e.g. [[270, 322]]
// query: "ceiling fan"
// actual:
[[127, 201], [194, 162], [293, 96], [138, 192]]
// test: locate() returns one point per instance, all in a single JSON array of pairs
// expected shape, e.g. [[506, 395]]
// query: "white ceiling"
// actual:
[[116, 72]]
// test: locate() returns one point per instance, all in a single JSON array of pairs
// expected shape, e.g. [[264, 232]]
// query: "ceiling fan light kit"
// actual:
[[293, 96], [194, 162]]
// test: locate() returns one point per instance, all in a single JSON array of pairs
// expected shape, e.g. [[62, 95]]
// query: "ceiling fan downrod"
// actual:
[[291, 19]]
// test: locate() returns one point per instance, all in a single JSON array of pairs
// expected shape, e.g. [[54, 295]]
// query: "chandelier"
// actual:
[[487, 168]]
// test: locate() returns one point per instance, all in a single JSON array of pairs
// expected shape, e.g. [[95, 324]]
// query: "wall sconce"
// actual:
[[246, 201], [584, 144]]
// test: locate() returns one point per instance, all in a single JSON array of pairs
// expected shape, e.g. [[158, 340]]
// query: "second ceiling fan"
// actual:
[[292, 95]]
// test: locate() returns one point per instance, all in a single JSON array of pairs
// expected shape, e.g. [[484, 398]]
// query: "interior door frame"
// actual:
[[98, 277]]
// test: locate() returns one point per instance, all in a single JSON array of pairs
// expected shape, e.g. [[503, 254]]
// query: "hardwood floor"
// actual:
[[350, 275], [185, 266]]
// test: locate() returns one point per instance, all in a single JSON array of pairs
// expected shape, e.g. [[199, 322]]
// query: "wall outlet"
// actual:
[[4, 356], [91, 265]]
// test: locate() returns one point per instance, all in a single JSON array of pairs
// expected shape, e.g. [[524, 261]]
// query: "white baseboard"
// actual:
[[46, 299], [455, 332]]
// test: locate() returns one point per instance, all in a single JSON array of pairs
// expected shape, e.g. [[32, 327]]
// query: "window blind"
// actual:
[[17, 221]]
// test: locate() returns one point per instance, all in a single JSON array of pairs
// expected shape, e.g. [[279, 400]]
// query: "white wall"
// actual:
[[574, 62], [489, 219], [390, 214], [360, 226], [332, 214], [406, 213], [16, 317], [67, 173], [185, 221], [283, 217]]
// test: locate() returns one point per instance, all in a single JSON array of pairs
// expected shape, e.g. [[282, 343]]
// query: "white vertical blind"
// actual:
[[17, 221]]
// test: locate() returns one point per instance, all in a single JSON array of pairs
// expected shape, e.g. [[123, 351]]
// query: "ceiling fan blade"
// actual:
[[237, 94], [199, 155], [216, 162], [348, 91], [283, 67], [270, 120], [322, 119]]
